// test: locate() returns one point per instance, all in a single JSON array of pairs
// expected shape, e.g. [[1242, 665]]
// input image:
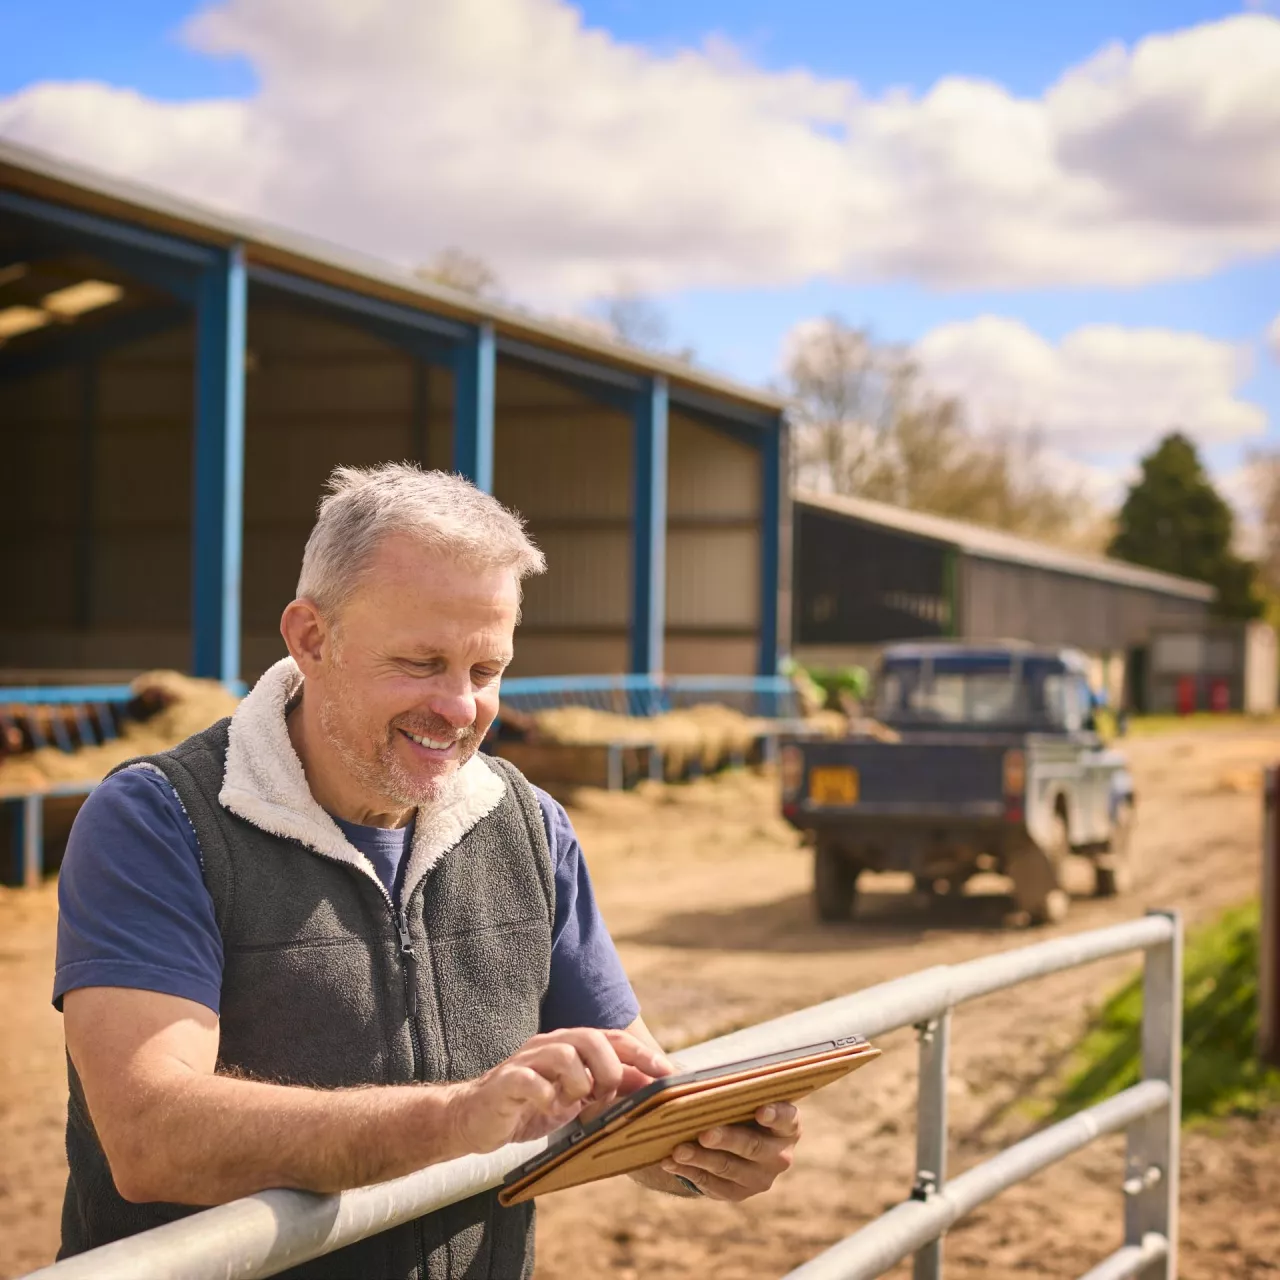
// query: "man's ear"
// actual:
[[307, 636]]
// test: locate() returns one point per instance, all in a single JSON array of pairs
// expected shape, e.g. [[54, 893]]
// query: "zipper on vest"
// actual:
[[409, 962], [409, 958]]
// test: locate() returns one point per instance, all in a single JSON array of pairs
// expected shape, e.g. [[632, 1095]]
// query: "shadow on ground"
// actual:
[[881, 920]]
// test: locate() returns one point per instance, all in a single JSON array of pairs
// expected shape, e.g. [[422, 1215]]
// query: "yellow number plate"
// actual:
[[833, 785]]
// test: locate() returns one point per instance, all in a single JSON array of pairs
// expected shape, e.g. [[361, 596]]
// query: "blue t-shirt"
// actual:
[[383, 846], [134, 910]]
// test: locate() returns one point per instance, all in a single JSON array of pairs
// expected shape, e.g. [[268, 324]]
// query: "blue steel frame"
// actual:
[[468, 350], [773, 519], [649, 537], [214, 280], [474, 373], [217, 524], [766, 431]]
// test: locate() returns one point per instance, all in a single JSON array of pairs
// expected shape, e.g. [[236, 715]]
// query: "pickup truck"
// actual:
[[982, 758]]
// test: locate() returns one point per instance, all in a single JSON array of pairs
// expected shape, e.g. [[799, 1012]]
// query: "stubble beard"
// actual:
[[369, 756]]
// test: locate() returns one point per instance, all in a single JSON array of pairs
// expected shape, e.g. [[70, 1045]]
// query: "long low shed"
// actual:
[[866, 574], [175, 384]]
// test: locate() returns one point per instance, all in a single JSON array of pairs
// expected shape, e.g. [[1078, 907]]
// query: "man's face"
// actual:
[[410, 681]]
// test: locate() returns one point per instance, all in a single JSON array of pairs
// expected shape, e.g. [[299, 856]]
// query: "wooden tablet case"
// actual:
[[650, 1133]]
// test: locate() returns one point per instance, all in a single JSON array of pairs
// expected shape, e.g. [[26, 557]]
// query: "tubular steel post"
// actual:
[[32, 840], [474, 373], [649, 528], [1151, 1175], [931, 1132], [1269, 927], [773, 468], [218, 452]]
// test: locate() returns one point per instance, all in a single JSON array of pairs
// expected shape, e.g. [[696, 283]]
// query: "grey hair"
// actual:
[[440, 511]]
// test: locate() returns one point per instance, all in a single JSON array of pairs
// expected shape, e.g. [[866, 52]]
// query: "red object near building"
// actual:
[[1220, 695], [1186, 695]]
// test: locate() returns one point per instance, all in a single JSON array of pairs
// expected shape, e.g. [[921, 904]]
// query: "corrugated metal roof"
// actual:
[[40, 174], [994, 544]]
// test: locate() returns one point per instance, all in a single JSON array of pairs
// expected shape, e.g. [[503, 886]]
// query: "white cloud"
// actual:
[[571, 159], [1103, 390], [1273, 337]]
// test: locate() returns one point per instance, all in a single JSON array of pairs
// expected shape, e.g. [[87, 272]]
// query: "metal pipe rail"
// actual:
[[266, 1233], [916, 1223]]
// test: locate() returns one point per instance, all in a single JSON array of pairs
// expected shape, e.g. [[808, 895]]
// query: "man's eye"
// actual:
[[484, 675]]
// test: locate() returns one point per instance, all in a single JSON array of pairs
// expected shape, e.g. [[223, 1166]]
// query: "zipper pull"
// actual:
[[410, 958]]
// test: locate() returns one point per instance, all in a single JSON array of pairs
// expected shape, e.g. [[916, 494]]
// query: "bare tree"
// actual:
[[633, 317], [842, 389], [466, 272], [867, 426]]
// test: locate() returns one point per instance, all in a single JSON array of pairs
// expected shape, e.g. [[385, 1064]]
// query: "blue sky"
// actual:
[[739, 328]]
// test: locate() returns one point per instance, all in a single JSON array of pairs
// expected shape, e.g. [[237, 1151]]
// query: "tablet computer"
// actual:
[[646, 1126]]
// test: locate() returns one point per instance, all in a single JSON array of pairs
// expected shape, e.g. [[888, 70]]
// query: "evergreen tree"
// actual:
[[1174, 520]]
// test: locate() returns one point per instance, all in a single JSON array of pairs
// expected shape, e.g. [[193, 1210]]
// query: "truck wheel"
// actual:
[[835, 883], [1036, 875], [1052, 909], [1113, 871]]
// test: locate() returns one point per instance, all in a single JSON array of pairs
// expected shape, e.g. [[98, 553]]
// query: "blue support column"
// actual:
[[87, 503], [649, 529], [474, 365], [219, 468], [772, 503]]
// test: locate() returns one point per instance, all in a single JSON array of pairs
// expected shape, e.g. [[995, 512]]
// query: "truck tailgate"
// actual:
[[907, 778]]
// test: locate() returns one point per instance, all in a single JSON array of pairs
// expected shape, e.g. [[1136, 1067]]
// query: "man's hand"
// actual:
[[549, 1081], [733, 1162]]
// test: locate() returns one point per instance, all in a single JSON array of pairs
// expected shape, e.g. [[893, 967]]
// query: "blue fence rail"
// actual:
[[95, 711], [642, 695], [92, 714]]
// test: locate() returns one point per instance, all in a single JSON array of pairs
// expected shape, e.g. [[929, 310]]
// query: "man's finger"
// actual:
[[720, 1164], [524, 1087], [745, 1140], [782, 1118], [712, 1187], [633, 1053], [601, 1059], [562, 1067]]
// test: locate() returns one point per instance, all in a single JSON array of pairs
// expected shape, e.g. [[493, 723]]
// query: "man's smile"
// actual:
[[437, 746]]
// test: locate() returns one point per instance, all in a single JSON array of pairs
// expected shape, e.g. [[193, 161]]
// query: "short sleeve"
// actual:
[[133, 909], [588, 987]]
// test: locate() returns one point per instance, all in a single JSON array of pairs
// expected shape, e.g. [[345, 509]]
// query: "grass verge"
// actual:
[[1221, 1074]]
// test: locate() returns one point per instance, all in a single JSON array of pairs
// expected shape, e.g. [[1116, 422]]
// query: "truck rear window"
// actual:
[[972, 689]]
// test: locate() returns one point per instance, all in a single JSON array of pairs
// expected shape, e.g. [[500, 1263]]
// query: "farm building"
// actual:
[[175, 385], [865, 574]]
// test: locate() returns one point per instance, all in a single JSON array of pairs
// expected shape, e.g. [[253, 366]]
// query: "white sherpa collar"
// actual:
[[264, 784]]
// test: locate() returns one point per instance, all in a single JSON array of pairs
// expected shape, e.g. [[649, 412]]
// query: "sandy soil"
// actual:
[[706, 893]]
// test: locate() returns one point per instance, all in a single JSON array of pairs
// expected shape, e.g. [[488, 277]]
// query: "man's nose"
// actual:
[[457, 706]]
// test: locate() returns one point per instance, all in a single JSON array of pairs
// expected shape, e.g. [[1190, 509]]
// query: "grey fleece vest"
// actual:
[[316, 991]]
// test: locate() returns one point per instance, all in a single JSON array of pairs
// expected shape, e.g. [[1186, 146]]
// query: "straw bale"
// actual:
[[185, 706]]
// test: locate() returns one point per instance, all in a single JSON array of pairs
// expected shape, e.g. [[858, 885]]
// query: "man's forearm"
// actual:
[[207, 1139]]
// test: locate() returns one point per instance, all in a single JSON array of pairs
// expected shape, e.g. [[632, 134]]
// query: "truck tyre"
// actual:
[[1036, 875], [1113, 870], [835, 883]]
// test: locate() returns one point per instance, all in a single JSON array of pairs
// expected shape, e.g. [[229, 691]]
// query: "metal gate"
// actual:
[[266, 1233]]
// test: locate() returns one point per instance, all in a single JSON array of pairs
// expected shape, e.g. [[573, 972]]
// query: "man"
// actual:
[[325, 943]]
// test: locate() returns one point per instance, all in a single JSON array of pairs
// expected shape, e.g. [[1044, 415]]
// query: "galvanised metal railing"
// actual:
[[642, 695], [265, 1233]]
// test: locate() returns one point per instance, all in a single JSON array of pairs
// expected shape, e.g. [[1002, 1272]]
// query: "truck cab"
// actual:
[[986, 758]]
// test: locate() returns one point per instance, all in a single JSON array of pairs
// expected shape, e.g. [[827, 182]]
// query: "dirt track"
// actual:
[[707, 895]]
